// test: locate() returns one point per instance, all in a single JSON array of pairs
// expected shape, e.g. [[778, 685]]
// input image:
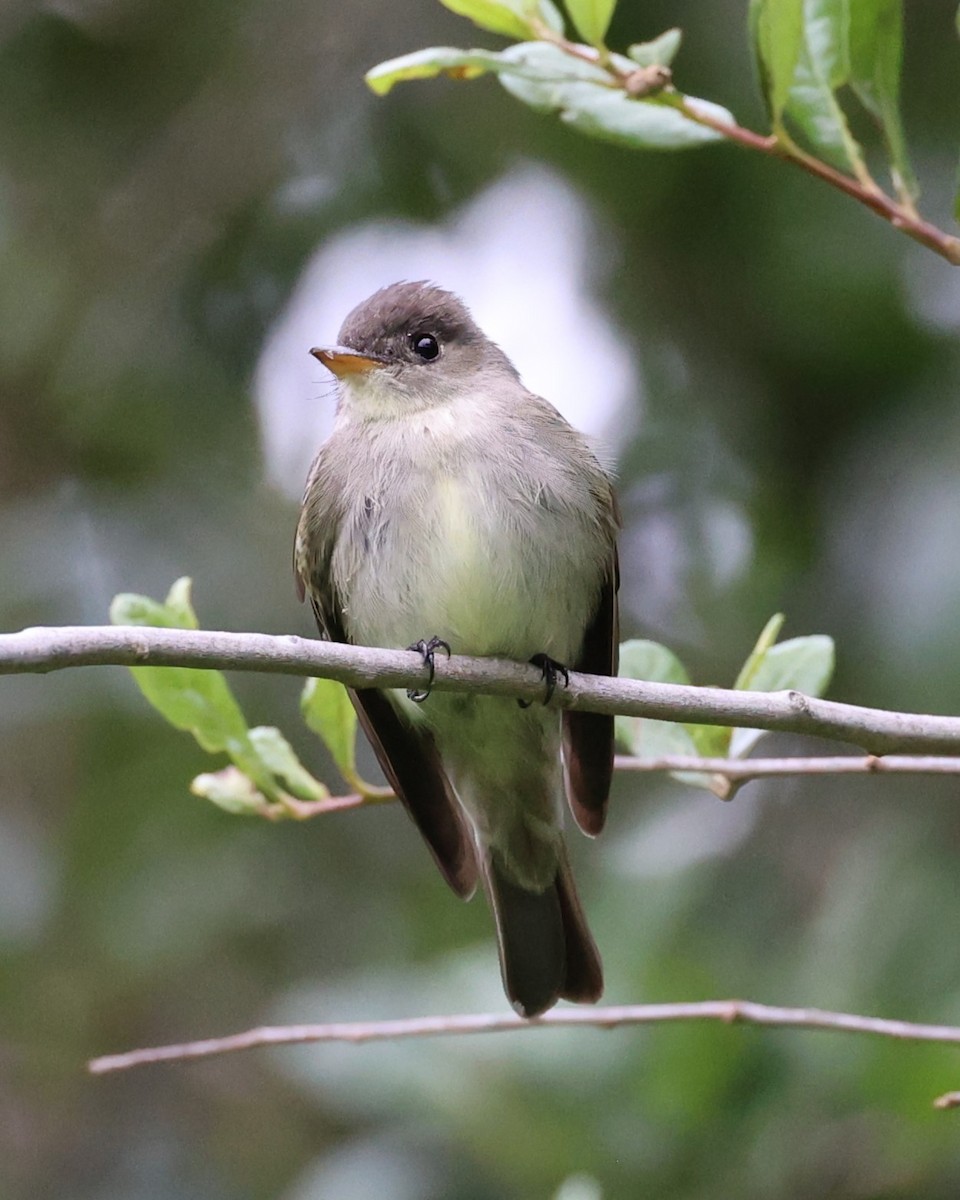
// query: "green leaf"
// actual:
[[547, 79], [822, 66], [712, 741], [659, 52], [584, 96], [194, 700], [641, 659], [427, 64], [644, 737], [231, 790], [180, 605], [544, 62], [876, 57], [176, 612], [803, 664], [767, 638], [278, 756], [592, 18], [327, 710], [512, 18], [776, 28], [651, 124]]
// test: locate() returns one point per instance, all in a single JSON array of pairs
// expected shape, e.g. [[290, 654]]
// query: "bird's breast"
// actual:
[[466, 558]]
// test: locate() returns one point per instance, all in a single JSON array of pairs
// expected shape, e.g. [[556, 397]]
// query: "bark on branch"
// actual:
[[729, 1012], [877, 731]]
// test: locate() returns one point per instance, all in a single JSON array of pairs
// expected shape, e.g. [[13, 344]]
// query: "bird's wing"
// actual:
[[588, 737], [409, 759], [407, 756]]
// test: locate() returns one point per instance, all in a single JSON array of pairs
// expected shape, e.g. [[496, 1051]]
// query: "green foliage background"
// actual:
[[801, 362]]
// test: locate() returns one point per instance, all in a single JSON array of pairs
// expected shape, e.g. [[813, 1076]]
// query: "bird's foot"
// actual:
[[552, 672], [427, 648]]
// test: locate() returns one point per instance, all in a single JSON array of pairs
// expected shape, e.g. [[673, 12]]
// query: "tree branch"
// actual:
[[730, 1012], [878, 731], [901, 215], [745, 769]]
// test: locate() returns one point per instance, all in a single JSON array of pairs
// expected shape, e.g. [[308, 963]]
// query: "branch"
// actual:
[[745, 769], [878, 731], [730, 1012], [900, 215]]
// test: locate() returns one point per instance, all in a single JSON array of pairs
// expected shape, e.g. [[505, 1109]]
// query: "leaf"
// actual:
[[712, 741], [659, 52], [803, 664], [326, 708], [427, 64], [278, 756], [592, 18], [231, 790], [197, 701], [776, 28], [650, 124], [645, 737], [822, 66], [512, 18], [875, 58], [641, 659], [550, 81], [549, 65], [531, 60], [547, 79], [767, 638], [180, 605]]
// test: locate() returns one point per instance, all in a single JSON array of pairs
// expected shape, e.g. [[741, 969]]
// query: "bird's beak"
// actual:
[[341, 360]]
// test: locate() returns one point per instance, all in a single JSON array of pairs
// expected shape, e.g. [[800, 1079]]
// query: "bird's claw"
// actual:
[[552, 672], [426, 648]]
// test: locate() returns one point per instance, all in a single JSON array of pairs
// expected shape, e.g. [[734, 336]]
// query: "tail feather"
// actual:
[[546, 950], [583, 981]]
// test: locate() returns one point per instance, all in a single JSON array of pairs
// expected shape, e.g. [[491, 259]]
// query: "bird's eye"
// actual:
[[426, 346]]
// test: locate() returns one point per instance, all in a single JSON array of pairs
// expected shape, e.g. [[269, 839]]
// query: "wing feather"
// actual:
[[588, 737], [407, 756]]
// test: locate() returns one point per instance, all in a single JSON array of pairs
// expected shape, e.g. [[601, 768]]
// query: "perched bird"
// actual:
[[451, 508]]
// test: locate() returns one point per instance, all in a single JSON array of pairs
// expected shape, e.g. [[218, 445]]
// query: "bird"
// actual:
[[451, 508]]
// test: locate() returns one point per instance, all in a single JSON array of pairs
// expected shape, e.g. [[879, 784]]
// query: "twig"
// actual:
[[303, 810], [760, 768], [901, 216], [730, 1012], [878, 731], [739, 769]]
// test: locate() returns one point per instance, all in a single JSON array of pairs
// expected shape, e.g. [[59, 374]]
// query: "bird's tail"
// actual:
[[546, 950]]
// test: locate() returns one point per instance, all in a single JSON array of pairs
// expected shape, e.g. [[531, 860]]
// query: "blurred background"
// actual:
[[194, 192]]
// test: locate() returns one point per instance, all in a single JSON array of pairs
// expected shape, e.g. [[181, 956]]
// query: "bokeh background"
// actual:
[[192, 193]]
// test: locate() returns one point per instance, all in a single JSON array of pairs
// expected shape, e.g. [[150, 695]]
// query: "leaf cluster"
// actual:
[[819, 63]]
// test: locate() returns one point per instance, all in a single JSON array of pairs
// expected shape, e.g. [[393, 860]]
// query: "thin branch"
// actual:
[[730, 1012], [878, 731], [744, 769], [739, 770], [901, 215], [304, 810]]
